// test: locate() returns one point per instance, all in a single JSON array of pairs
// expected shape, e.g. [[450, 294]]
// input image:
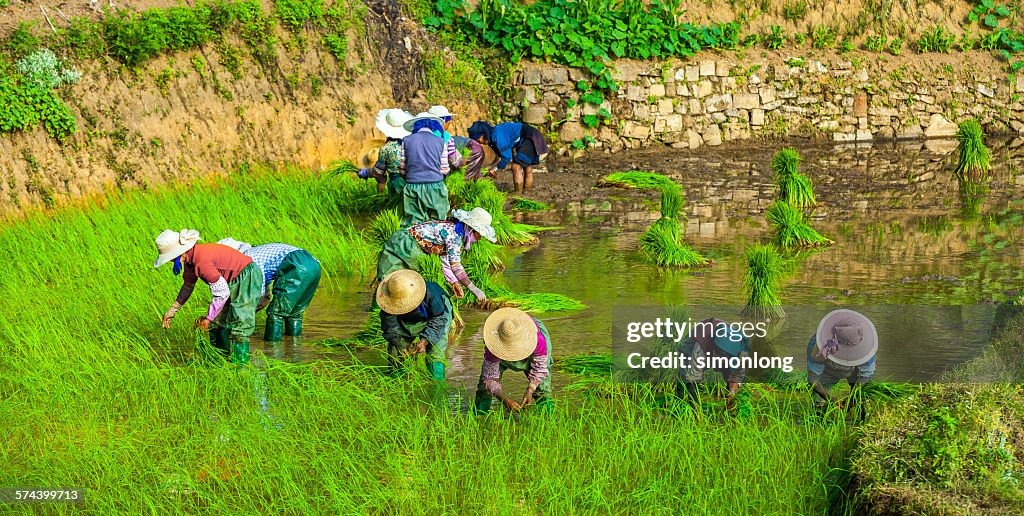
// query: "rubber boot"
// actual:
[[220, 339], [240, 352], [274, 330], [546, 406], [293, 326], [436, 370], [482, 404]]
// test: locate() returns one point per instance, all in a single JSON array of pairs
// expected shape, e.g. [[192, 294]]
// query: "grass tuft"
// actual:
[[662, 243], [635, 180], [521, 204], [790, 229], [765, 269], [974, 160], [792, 186]]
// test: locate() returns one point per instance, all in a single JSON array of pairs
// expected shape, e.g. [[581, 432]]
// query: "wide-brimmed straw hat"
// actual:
[[409, 124], [172, 244], [478, 219], [850, 335], [392, 121], [235, 244], [368, 152], [510, 334], [441, 112], [401, 291]]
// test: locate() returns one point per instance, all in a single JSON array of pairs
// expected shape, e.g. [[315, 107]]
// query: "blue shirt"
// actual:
[[504, 138], [269, 257]]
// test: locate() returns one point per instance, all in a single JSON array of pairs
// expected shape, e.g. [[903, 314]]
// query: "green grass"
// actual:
[[974, 161], [635, 180], [792, 186], [765, 269], [527, 205], [790, 230]]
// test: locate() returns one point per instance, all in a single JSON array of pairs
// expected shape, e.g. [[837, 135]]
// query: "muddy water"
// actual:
[[902, 236]]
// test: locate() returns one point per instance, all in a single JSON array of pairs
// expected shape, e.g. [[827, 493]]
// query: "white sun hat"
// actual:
[[441, 112], [510, 334], [850, 335], [392, 121], [478, 219], [172, 244], [235, 244], [401, 291], [422, 116]]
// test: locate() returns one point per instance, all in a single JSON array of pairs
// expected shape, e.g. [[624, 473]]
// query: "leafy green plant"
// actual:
[[22, 41], [46, 70], [662, 245], [988, 13], [636, 179], [876, 43], [974, 158], [671, 201], [774, 38], [765, 269], [845, 47], [794, 11], [823, 37], [936, 39], [790, 229], [966, 42], [791, 186], [896, 46], [295, 14]]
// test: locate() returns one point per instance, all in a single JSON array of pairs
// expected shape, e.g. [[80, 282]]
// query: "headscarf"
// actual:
[[177, 266], [481, 128], [428, 123], [468, 234]]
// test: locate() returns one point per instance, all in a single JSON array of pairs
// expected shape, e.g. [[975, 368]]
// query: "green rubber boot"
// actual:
[[293, 326], [274, 330], [436, 370], [546, 406], [482, 404], [220, 339], [240, 352]]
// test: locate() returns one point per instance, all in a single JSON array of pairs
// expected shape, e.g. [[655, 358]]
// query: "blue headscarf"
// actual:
[[481, 128], [428, 123], [177, 266]]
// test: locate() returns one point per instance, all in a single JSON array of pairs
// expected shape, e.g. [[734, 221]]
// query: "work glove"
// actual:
[[480, 296], [364, 173], [166, 321]]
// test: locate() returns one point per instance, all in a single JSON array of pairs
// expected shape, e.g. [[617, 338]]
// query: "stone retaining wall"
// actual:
[[853, 98]]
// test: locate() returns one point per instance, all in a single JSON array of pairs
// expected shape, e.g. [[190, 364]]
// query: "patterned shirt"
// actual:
[[440, 238], [536, 369], [268, 258], [389, 160]]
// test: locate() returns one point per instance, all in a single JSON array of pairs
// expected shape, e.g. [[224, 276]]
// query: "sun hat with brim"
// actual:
[[235, 244], [369, 151], [392, 121], [172, 244], [401, 291], [441, 111], [409, 124], [510, 334], [732, 342], [854, 336], [478, 219]]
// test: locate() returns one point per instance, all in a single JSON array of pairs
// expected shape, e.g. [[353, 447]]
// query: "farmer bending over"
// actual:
[[234, 280], [843, 348], [517, 143], [415, 317], [712, 339], [515, 340]]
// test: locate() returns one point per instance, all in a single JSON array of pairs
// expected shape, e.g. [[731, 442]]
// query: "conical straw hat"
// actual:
[[401, 291], [510, 334]]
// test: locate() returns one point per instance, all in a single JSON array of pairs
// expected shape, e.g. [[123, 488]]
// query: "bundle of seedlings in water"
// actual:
[[635, 180], [974, 160], [521, 204], [467, 195], [790, 229], [765, 269], [662, 243], [586, 364], [792, 186]]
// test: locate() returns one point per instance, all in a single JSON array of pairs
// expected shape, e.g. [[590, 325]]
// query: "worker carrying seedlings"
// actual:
[[415, 317], [517, 143], [843, 348], [474, 162], [445, 238], [386, 164], [513, 339], [295, 275], [234, 281], [426, 158], [712, 343]]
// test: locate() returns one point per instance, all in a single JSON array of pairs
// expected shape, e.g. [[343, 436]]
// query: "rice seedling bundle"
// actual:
[[592, 364], [671, 201], [790, 229], [765, 268], [792, 186], [974, 159], [382, 227], [341, 167], [662, 242], [635, 180], [521, 204]]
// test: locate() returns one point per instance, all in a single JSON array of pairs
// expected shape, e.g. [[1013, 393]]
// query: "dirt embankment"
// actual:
[[186, 115]]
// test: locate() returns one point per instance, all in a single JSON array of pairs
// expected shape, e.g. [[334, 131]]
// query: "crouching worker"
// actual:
[[515, 340], [295, 275], [712, 344], [843, 348], [234, 282], [415, 317], [445, 238]]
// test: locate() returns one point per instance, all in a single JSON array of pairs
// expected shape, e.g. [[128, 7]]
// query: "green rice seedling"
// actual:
[[521, 204], [972, 195], [671, 201], [765, 268], [357, 195], [662, 245], [635, 179], [790, 229], [592, 364], [974, 159], [792, 186], [385, 224], [341, 167]]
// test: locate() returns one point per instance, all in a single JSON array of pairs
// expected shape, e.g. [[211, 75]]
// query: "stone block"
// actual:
[[531, 75], [535, 115], [707, 68], [682, 90], [695, 107], [703, 89], [526, 94], [665, 106], [694, 139], [631, 129], [680, 107], [722, 68], [636, 93], [712, 135], [746, 101], [554, 76], [717, 103], [692, 73], [939, 127], [986, 90], [674, 122], [786, 94], [657, 90], [626, 71], [571, 131], [860, 104], [641, 111], [863, 135], [756, 117], [844, 137]]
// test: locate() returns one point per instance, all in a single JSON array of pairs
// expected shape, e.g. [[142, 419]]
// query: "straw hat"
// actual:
[[422, 116], [369, 152], [235, 244], [392, 121], [401, 291], [478, 219], [510, 334], [172, 244], [441, 112], [850, 335]]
